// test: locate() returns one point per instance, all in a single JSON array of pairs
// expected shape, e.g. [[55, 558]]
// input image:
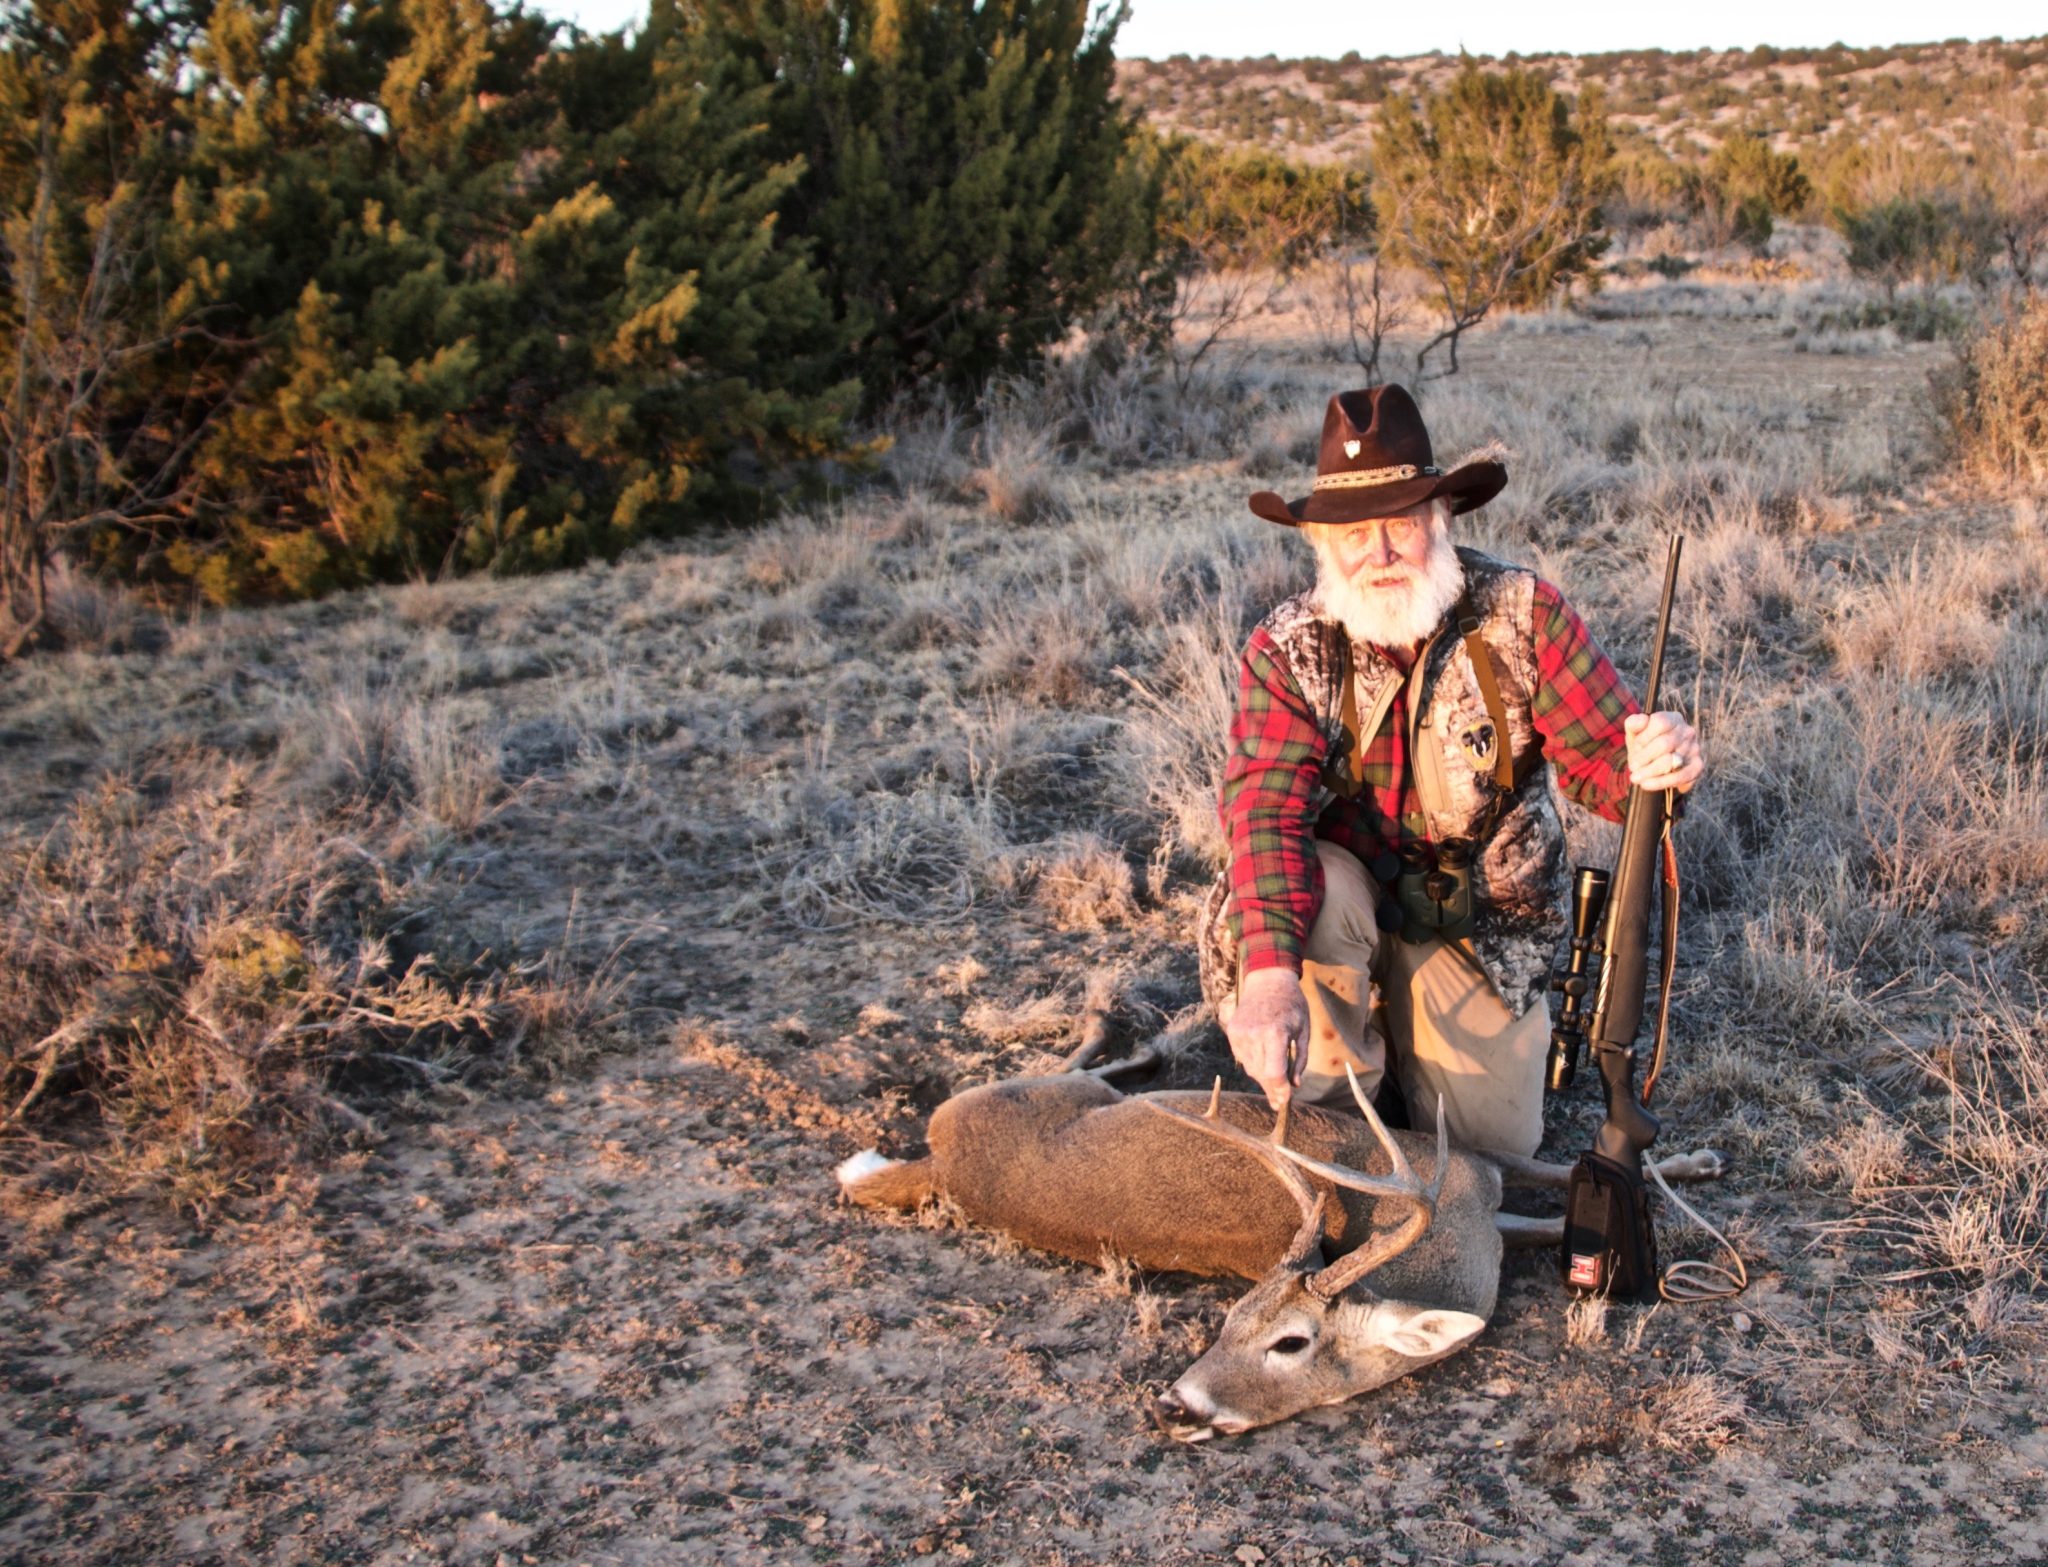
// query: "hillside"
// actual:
[[1683, 104]]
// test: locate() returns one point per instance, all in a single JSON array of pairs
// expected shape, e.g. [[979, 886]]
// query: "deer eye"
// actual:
[[1293, 1344]]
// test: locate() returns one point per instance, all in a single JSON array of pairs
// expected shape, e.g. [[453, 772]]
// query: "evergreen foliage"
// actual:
[[376, 289], [1920, 240], [529, 315], [969, 183], [306, 293], [1747, 185], [1493, 187], [1222, 206], [90, 441]]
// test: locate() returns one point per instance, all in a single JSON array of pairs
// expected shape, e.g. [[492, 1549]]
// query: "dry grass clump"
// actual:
[[927, 857], [1017, 474], [1694, 1407], [1995, 402], [196, 974], [1949, 608], [1085, 883]]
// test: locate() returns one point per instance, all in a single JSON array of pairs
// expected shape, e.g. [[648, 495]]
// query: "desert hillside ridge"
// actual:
[[1682, 104]]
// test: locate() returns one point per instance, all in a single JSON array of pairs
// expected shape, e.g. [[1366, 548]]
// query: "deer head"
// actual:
[[1305, 1336]]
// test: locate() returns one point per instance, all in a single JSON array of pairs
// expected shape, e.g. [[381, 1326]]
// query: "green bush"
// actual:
[[1493, 187], [407, 286], [1220, 206], [469, 299], [969, 182], [1747, 185], [1917, 239]]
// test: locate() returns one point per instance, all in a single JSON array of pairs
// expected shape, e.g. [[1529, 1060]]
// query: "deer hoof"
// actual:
[[1707, 1164]]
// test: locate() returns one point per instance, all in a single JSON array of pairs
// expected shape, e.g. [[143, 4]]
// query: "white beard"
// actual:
[[1400, 616]]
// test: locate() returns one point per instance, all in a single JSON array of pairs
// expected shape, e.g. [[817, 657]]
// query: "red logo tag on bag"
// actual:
[[1585, 1272]]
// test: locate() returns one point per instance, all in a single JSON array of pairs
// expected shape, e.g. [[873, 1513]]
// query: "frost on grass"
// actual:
[[927, 857]]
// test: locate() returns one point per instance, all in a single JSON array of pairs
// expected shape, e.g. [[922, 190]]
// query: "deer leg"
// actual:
[[1705, 1164], [1521, 1231]]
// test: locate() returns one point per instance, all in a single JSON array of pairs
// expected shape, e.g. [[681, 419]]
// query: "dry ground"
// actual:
[[856, 810]]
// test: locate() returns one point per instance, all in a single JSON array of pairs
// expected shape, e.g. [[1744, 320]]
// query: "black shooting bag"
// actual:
[[1610, 1247]]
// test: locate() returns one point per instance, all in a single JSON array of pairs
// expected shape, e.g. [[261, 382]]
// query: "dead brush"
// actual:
[[928, 857], [1956, 1192], [1016, 473], [1695, 1406], [1994, 403], [197, 966]]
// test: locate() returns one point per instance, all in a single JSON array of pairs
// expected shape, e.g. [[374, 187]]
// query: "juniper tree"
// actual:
[[1492, 187], [1748, 184], [969, 182], [91, 447], [497, 303]]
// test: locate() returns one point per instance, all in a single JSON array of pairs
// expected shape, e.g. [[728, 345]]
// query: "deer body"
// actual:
[[1375, 1252], [1066, 1164]]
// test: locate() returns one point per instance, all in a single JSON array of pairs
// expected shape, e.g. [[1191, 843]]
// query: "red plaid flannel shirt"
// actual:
[[1277, 754]]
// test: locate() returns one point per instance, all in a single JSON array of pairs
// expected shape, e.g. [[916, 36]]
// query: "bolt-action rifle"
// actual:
[[1609, 1244]]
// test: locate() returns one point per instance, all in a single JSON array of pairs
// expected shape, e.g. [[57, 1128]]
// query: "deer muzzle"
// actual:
[[1181, 1417]]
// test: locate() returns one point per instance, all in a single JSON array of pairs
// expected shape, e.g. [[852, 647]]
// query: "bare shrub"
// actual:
[[1043, 648], [1869, 1154], [1038, 1020], [1791, 970], [83, 614], [929, 448], [1172, 758], [1015, 472], [1694, 1407], [206, 965], [1585, 1322], [454, 765]]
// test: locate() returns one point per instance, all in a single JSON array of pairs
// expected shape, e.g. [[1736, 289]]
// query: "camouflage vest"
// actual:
[[1519, 879]]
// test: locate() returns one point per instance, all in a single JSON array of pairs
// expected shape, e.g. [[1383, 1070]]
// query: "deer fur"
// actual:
[[1067, 1164]]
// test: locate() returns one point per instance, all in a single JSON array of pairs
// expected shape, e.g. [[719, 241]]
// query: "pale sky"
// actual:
[[1232, 29]]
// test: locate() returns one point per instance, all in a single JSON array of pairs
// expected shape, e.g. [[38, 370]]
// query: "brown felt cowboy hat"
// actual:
[[1376, 461]]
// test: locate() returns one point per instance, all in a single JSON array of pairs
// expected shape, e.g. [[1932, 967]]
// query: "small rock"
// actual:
[[1740, 1321]]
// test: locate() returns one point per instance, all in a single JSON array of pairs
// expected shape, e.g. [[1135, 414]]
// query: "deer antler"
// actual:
[[1271, 1153], [1400, 1184]]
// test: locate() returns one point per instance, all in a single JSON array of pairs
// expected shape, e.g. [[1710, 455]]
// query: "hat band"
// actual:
[[1369, 477]]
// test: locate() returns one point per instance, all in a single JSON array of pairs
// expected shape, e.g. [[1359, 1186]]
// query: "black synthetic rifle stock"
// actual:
[[1625, 950], [1610, 1244]]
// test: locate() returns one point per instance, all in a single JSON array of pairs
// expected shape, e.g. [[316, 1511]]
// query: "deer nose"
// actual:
[[1168, 1412]]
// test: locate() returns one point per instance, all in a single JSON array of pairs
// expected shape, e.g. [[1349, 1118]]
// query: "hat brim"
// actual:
[[1466, 488]]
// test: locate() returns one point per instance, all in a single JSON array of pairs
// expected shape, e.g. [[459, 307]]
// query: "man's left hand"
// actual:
[[1663, 752]]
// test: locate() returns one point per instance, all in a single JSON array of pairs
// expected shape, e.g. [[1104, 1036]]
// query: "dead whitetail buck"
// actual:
[[1398, 1271]]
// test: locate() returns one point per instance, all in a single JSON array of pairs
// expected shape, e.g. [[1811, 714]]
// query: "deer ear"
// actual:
[[1423, 1334]]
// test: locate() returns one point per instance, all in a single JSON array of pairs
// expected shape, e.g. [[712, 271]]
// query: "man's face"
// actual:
[[1387, 552], [1389, 580]]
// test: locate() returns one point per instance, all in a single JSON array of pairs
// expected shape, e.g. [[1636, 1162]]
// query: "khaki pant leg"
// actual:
[[1336, 979], [1460, 1041]]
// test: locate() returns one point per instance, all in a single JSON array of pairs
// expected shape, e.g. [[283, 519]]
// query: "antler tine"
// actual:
[[1400, 1181], [1267, 1153], [1400, 1185]]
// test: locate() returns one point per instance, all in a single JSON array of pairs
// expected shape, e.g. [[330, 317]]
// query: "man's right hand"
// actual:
[[1268, 1032]]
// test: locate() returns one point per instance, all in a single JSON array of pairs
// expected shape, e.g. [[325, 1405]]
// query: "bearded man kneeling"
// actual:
[[1397, 882]]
